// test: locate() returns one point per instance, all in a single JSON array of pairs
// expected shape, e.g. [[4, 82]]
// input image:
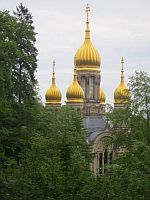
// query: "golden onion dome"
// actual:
[[53, 94], [122, 93], [87, 56], [102, 96], [75, 92]]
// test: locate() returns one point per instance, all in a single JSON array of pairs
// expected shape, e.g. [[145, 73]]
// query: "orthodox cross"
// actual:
[[53, 65], [53, 68], [87, 11], [122, 62]]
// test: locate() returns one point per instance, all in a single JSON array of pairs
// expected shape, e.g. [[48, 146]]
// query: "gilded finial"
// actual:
[[122, 62], [53, 94], [53, 78], [122, 75], [121, 94], [53, 67], [87, 11], [87, 31]]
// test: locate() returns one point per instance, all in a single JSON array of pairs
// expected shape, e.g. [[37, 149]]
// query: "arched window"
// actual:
[[83, 84], [105, 158], [91, 87]]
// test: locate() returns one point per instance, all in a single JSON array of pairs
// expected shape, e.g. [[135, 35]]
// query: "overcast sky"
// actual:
[[118, 28]]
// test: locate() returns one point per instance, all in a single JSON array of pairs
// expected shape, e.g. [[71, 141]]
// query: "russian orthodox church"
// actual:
[[86, 94]]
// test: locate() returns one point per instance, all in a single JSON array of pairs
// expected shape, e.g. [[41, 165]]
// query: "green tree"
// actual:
[[129, 175], [8, 53], [140, 88], [25, 83], [132, 122], [56, 166], [17, 46], [17, 122]]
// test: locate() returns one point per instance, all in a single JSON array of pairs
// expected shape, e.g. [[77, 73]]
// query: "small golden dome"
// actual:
[[87, 55], [122, 93], [102, 96], [75, 92], [53, 94]]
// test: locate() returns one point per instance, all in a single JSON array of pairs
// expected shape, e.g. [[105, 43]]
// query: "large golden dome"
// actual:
[[87, 56], [122, 93], [102, 96], [75, 92], [53, 94]]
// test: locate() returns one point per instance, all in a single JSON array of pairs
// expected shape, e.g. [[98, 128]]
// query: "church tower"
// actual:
[[53, 95], [87, 63], [122, 94]]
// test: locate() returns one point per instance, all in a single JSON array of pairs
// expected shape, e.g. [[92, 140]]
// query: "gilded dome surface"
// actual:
[[122, 93], [75, 92], [102, 96], [53, 94], [87, 56]]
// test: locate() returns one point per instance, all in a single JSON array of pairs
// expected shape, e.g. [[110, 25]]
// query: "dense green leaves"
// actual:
[[140, 87], [8, 53], [25, 66], [129, 174], [17, 117], [56, 166]]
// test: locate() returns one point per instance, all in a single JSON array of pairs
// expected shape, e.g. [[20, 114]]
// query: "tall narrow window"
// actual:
[[91, 87], [83, 84], [105, 158], [100, 162]]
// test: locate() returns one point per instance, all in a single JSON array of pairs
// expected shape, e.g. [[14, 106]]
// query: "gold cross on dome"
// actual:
[[87, 11], [53, 65], [122, 60]]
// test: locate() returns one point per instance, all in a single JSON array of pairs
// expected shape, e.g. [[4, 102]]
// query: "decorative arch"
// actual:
[[102, 153]]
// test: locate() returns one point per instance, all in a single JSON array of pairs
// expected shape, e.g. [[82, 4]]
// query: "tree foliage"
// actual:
[[56, 165], [23, 73], [140, 87], [17, 118], [128, 176]]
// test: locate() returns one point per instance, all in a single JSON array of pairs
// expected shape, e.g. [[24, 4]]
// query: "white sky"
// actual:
[[118, 28]]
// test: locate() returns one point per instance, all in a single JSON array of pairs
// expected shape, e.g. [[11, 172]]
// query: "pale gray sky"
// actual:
[[118, 28]]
